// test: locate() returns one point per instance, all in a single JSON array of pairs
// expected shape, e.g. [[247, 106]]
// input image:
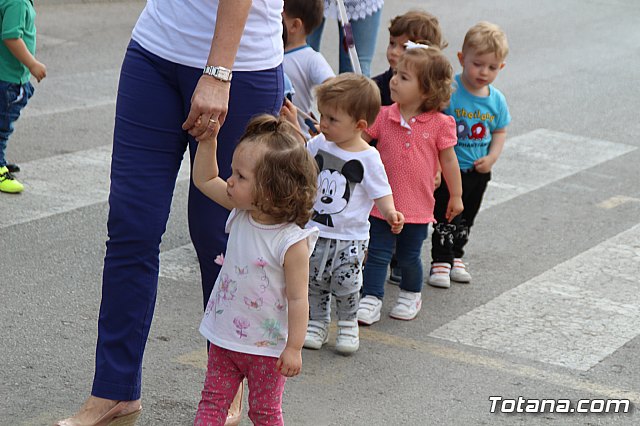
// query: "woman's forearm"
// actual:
[[230, 21]]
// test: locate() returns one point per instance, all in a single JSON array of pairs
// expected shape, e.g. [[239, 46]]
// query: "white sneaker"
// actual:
[[317, 334], [369, 310], [439, 276], [407, 306], [348, 337], [459, 272]]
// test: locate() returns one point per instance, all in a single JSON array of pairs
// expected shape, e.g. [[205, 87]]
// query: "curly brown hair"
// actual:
[[418, 25], [286, 174], [434, 72]]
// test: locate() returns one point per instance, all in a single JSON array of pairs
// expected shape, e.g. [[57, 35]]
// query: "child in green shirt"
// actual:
[[17, 64]]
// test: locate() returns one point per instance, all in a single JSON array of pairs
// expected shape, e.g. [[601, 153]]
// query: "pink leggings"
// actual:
[[225, 371]]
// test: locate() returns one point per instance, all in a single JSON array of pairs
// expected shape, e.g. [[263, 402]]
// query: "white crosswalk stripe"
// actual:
[[573, 315], [50, 188], [541, 157], [68, 92]]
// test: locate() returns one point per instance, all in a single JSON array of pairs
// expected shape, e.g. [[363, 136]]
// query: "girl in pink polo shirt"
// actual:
[[413, 136]]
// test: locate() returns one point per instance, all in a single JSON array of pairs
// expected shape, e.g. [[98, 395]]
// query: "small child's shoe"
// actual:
[[8, 183], [439, 276], [369, 310], [407, 306], [459, 272], [348, 337], [317, 334]]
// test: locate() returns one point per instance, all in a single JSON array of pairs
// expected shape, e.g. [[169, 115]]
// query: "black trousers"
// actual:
[[448, 239]]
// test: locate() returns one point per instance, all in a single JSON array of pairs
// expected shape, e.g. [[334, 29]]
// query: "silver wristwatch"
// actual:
[[219, 73]]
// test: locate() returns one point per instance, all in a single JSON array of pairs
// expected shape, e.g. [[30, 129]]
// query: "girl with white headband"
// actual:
[[413, 137]]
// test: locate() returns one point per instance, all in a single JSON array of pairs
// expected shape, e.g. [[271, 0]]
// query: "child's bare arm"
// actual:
[[290, 113], [205, 171], [484, 164], [296, 271], [18, 49], [451, 173], [394, 218]]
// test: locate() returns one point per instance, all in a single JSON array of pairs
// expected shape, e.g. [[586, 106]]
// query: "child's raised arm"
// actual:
[[290, 113], [205, 171], [296, 272], [394, 218], [451, 173]]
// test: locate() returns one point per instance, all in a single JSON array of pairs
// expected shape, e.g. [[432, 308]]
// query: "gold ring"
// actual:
[[213, 121]]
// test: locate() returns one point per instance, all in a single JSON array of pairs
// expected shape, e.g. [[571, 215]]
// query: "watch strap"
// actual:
[[219, 73]]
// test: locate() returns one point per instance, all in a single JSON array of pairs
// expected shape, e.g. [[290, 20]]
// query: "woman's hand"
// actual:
[[209, 104]]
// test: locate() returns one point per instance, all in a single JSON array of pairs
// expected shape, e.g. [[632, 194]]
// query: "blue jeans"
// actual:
[[365, 34], [154, 98], [13, 97], [408, 245]]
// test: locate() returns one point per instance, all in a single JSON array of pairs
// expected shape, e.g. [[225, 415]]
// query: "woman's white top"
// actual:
[[356, 9], [181, 31]]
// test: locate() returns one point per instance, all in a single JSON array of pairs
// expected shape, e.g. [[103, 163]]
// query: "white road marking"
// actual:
[[616, 201], [50, 187], [573, 315], [58, 94], [541, 157], [180, 264]]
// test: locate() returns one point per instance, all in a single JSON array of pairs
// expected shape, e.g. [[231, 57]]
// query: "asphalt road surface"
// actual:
[[554, 308]]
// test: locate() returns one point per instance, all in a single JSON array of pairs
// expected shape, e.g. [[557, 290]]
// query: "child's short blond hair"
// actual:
[[434, 73], [485, 37], [418, 25], [356, 95]]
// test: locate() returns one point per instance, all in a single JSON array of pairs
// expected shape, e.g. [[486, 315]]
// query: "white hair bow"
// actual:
[[411, 45]]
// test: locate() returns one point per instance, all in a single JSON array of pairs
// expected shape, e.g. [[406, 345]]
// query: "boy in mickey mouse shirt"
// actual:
[[351, 180]]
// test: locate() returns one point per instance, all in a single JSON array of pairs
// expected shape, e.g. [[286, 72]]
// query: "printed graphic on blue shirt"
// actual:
[[476, 120]]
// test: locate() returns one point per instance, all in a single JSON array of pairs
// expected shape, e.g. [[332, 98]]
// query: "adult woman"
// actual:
[[162, 93], [364, 16]]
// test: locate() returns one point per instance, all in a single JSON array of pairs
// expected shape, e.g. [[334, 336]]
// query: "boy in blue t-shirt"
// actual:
[[17, 64], [482, 116]]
